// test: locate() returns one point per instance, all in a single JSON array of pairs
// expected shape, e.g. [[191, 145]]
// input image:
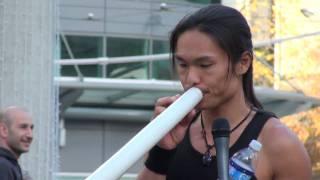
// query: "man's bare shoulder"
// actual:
[[278, 137], [284, 152]]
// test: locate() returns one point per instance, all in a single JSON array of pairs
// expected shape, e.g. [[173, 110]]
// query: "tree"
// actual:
[[295, 64]]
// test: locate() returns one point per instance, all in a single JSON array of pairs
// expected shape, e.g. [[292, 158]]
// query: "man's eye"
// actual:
[[205, 65], [23, 127], [181, 64]]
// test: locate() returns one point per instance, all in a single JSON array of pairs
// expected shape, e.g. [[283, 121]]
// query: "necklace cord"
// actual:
[[207, 156], [242, 121], [210, 146]]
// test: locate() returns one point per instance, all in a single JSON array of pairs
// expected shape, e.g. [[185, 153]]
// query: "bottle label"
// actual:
[[237, 172]]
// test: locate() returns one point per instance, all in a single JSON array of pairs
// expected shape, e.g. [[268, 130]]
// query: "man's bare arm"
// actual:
[[146, 174]]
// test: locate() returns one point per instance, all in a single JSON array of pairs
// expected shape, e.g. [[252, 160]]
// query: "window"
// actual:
[[81, 47], [119, 47], [206, 1], [161, 69], [92, 47]]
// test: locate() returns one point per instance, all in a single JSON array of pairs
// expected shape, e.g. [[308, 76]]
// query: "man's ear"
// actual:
[[3, 130], [244, 63]]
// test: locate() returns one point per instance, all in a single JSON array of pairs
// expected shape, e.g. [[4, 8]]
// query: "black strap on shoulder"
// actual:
[[252, 130], [255, 126]]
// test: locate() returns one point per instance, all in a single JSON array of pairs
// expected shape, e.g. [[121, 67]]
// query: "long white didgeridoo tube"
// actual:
[[122, 160]]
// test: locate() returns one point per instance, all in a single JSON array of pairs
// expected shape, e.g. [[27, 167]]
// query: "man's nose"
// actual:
[[193, 77], [30, 133]]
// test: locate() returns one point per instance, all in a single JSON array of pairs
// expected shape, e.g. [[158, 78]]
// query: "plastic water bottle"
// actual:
[[241, 163]]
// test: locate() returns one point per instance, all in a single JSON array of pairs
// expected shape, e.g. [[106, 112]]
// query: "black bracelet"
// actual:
[[159, 159]]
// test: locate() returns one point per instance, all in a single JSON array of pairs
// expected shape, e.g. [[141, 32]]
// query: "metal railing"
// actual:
[[82, 176], [105, 61]]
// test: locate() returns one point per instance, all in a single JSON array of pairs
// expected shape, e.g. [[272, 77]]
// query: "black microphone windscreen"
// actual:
[[221, 128]]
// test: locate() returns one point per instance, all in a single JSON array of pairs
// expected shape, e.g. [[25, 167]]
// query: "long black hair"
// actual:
[[230, 30]]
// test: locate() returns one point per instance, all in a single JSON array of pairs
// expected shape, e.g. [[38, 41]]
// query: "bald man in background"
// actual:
[[15, 138]]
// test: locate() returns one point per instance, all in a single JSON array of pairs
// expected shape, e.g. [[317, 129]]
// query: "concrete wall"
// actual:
[[27, 46]]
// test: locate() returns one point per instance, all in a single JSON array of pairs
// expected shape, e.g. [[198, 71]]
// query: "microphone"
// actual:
[[220, 133]]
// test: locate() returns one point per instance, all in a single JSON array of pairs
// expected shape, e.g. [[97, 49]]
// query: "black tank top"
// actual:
[[187, 162]]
